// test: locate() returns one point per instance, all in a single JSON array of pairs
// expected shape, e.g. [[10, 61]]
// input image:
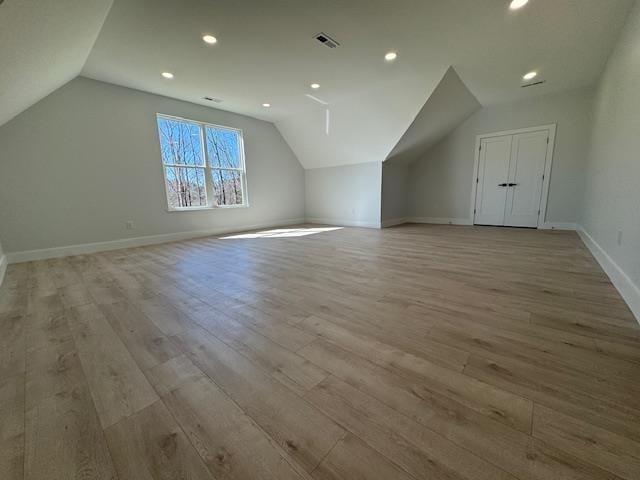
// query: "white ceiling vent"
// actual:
[[326, 40]]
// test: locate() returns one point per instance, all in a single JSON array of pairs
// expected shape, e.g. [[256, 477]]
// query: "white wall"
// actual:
[[448, 106], [440, 183], [80, 163], [612, 192], [347, 195], [395, 179]]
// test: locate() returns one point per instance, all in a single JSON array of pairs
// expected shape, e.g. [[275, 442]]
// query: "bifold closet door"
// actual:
[[493, 176], [526, 176]]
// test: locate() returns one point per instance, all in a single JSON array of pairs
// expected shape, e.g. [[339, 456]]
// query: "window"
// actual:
[[203, 164]]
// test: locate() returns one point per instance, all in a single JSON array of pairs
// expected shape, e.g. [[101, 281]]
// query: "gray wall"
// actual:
[[395, 178], [612, 191], [80, 163], [440, 182], [347, 195]]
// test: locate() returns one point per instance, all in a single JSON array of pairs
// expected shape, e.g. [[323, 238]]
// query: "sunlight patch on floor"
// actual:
[[283, 233]]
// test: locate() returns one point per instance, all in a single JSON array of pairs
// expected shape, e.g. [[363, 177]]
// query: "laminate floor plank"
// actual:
[[12, 419], [65, 440], [591, 443], [149, 445], [580, 397], [12, 344], [352, 459], [516, 452], [413, 352], [301, 430], [52, 370], [232, 445], [510, 409], [146, 343], [418, 450], [118, 386]]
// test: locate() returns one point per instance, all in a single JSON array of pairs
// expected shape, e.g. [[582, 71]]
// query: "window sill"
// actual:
[[199, 209]]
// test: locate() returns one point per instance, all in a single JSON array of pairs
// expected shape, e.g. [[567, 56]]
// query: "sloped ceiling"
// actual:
[[266, 53], [360, 129], [449, 105], [43, 45]]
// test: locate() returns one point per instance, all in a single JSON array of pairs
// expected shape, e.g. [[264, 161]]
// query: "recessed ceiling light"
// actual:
[[266, 105], [516, 4], [168, 75], [315, 86], [210, 39], [530, 76], [389, 57]]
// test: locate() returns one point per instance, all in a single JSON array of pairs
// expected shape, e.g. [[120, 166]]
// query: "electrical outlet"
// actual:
[[129, 225], [619, 238]]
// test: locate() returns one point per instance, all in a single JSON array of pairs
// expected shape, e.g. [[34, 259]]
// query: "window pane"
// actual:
[[227, 186], [185, 187], [223, 147], [180, 142]]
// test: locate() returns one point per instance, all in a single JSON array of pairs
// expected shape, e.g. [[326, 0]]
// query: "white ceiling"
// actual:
[[43, 45], [266, 53], [450, 104]]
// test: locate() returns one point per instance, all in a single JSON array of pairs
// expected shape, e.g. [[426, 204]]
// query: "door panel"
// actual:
[[528, 158], [493, 169]]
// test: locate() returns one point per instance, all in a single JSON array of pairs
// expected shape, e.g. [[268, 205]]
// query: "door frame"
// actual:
[[551, 128]]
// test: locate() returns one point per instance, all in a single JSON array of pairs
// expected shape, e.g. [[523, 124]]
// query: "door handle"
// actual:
[[502, 184], [512, 185]]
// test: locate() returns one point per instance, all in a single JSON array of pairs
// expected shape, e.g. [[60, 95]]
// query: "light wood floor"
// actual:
[[417, 352]]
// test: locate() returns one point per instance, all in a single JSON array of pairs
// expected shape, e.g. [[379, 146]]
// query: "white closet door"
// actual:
[[493, 170], [526, 170]]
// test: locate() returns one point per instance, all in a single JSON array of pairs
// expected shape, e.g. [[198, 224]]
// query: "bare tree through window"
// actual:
[[199, 157], [224, 155]]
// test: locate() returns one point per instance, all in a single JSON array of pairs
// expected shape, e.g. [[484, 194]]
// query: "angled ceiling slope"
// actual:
[[360, 129], [266, 52], [450, 104], [43, 45]]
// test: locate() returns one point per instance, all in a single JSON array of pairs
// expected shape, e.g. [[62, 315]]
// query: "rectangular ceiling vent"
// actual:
[[326, 40], [534, 84]]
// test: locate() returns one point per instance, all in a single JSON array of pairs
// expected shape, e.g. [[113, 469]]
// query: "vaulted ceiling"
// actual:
[[450, 104], [43, 45], [266, 53]]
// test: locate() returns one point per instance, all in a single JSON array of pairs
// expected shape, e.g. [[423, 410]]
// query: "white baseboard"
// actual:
[[628, 290], [3, 267], [441, 221], [42, 254], [343, 223], [393, 222], [558, 226]]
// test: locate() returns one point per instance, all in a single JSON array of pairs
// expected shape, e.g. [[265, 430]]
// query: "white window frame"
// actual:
[[208, 168]]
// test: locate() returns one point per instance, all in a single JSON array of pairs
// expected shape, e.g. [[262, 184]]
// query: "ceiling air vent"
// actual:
[[326, 40], [534, 84]]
